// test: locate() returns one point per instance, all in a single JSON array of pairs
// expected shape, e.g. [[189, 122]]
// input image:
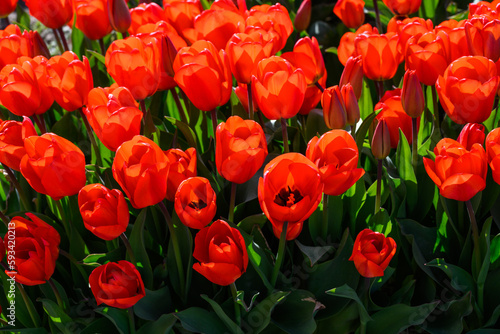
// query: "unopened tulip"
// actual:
[[334, 109], [119, 15], [403, 7], [303, 17], [351, 104], [381, 141], [412, 96], [353, 74], [182, 165], [471, 134]]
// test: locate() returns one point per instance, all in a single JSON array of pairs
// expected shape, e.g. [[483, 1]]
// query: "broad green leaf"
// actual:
[[461, 280], [185, 129], [345, 291], [451, 314], [295, 315], [199, 320], [314, 253], [406, 172], [60, 319], [117, 316], [137, 243], [363, 130], [97, 55], [230, 324], [259, 317], [161, 326], [155, 304]]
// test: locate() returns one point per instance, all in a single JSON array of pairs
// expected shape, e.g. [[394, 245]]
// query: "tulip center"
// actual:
[[288, 197], [198, 205]]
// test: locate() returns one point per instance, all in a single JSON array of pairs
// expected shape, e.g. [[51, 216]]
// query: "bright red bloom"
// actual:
[[412, 96], [222, 253], [119, 15], [467, 89], [117, 284], [307, 56], [380, 55], [372, 252], [13, 45], [53, 165], [7, 7], [181, 15], [114, 115], [351, 104], [471, 134], [104, 212], [240, 149], [92, 18], [36, 250], [483, 39], [52, 13], [70, 80], [334, 109], [350, 12], [459, 173], [203, 73], [346, 47], [403, 7], [289, 191], [143, 14], [336, 155], [182, 165], [456, 35], [353, 74], [141, 169], [195, 202], [12, 135], [493, 152]]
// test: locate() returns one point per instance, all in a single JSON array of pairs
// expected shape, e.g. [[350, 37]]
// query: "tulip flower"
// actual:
[[307, 56], [114, 115], [334, 109], [104, 212], [117, 284], [493, 152], [51, 13], [456, 35], [141, 168], [12, 45], [351, 104], [459, 173], [36, 250], [312, 97], [471, 134], [346, 46], [12, 136], [483, 39], [70, 80], [353, 74], [403, 7], [336, 155], [372, 252], [222, 253], [412, 96], [119, 15], [467, 89], [182, 165], [195, 202], [303, 17], [381, 141], [289, 191], [7, 7], [53, 165], [92, 18], [181, 14], [350, 12], [143, 14], [203, 73]]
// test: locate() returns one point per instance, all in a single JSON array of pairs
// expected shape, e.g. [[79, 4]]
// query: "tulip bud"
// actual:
[[303, 17], [412, 96], [472, 133], [334, 110], [119, 15], [353, 74], [381, 141], [168, 53], [37, 44], [351, 104]]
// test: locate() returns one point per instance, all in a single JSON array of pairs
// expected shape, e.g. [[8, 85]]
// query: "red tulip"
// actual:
[[350, 12], [493, 152], [381, 140], [483, 39], [12, 45], [346, 47], [7, 7], [380, 55], [312, 97], [351, 104], [471, 134], [403, 7], [181, 15], [307, 56], [12, 136], [51, 13], [334, 109], [353, 74], [92, 18], [303, 17], [182, 165], [119, 15], [412, 96], [143, 14], [372, 252], [195, 202]]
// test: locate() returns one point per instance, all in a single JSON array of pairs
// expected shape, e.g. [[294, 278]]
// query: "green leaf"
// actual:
[[259, 317], [161, 326], [138, 247], [98, 56], [199, 320], [260, 262], [154, 304], [230, 324], [295, 315], [345, 291], [248, 223], [365, 101], [451, 314], [363, 130], [495, 252], [461, 280], [406, 172], [118, 317], [313, 254], [100, 325], [185, 129], [22, 314], [315, 124], [62, 321]]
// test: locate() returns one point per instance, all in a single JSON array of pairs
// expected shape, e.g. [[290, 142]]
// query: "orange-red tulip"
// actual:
[[119, 15], [471, 134], [353, 74], [334, 109], [182, 165], [289, 191], [350, 12], [104, 212], [457, 37], [181, 15], [381, 141], [70, 80], [12, 45], [303, 17], [114, 115], [483, 39], [351, 104], [372, 252], [141, 169], [312, 97], [12, 135], [380, 55], [307, 56], [467, 89], [7, 7], [143, 14], [459, 173], [195, 202], [346, 47], [240, 149], [403, 7], [53, 165], [493, 152], [412, 96], [336, 155], [92, 18], [203, 73], [52, 13], [278, 89]]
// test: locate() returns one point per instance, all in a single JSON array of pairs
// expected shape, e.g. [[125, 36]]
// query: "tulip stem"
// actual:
[[377, 16], [379, 85], [29, 305], [12, 178], [250, 101], [232, 201], [91, 138], [5, 219], [378, 199], [214, 121], [261, 121], [475, 236], [177, 249], [58, 40], [63, 38], [436, 108], [237, 313], [280, 254], [318, 85], [324, 231], [102, 46], [182, 110], [414, 143], [56, 293], [129, 248], [131, 321], [63, 216], [353, 131], [285, 135], [40, 122]]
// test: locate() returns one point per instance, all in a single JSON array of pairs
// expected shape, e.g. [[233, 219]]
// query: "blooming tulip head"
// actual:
[[51, 13], [289, 191], [143, 14], [36, 250], [336, 155], [483, 39], [141, 169], [307, 56], [471, 134], [222, 253], [350, 12], [195, 202], [347, 48], [182, 165], [12, 136], [117, 284], [467, 89], [7, 7], [240, 149], [372, 253], [403, 7], [104, 212], [493, 152], [92, 18], [53, 165]]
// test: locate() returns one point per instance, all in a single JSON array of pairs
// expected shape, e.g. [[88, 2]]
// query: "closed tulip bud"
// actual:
[[353, 74], [303, 17], [195, 202], [168, 54], [351, 104], [36, 43], [381, 141], [119, 15], [412, 96], [334, 111], [472, 133]]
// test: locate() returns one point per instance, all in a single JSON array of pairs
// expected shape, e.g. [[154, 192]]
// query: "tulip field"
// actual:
[[233, 166]]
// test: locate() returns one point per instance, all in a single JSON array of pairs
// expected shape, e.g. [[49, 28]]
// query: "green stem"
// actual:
[[237, 312], [91, 138], [12, 178], [414, 144], [58, 40], [147, 119], [40, 121], [131, 320], [475, 235], [102, 46], [182, 110], [177, 249], [353, 131], [377, 16], [436, 108], [284, 131], [5, 219], [232, 201], [63, 217], [213, 113], [29, 305], [63, 38], [250, 101], [324, 230], [378, 198], [280, 255], [129, 248], [56, 293]]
